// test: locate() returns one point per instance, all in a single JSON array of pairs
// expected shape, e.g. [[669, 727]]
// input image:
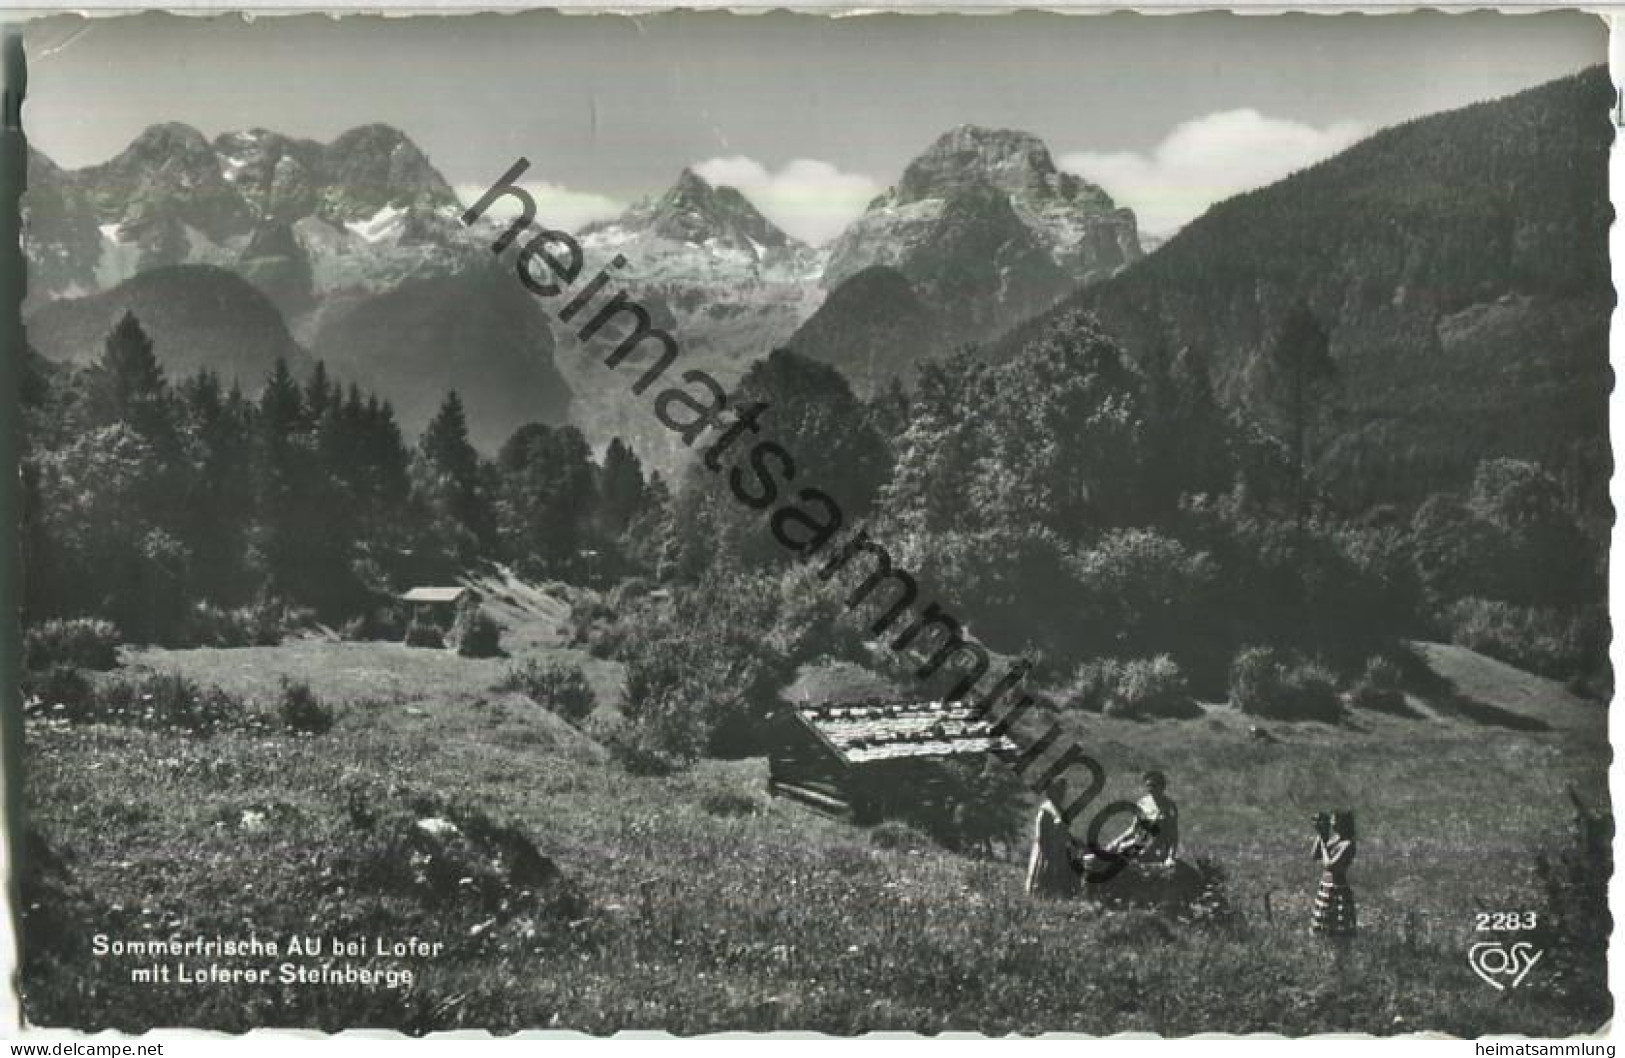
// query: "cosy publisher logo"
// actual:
[[1503, 966]]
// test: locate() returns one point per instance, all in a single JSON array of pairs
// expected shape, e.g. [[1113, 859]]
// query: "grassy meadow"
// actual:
[[694, 902]]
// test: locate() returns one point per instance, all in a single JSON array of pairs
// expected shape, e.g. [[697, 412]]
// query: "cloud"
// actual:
[[1207, 160], [809, 199], [556, 206]]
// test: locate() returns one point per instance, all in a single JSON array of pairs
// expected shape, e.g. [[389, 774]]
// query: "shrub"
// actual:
[[417, 850], [476, 634], [355, 630], [895, 834], [1137, 689], [386, 622], [302, 711], [985, 805], [729, 803], [701, 690], [208, 625], [562, 688], [595, 620], [424, 634], [86, 642], [1266, 682], [638, 751], [265, 621], [1143, 592], [1090, 687], [1151, 688], [260, 625], [297, 618], [1563, 644], [163, 701], [59, 689], [1381, 687], [1253, 676]]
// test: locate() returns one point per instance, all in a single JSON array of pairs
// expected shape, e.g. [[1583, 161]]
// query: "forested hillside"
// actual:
[[1363, 406], [1458, 262]]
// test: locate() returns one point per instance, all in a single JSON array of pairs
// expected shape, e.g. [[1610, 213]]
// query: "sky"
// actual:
[[809, 116]]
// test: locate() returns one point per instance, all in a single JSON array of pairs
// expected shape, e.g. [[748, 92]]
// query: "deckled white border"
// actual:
[[184, 1042], [1605, 9]]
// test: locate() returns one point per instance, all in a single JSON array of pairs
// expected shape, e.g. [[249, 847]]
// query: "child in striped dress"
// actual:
[[1334, 914]]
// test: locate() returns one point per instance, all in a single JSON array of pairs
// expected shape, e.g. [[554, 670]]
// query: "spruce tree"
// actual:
[[621, 488], [449, 476], [127, 385], [1298, 371]]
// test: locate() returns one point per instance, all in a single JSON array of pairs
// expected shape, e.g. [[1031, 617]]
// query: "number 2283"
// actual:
[[1505, 921]]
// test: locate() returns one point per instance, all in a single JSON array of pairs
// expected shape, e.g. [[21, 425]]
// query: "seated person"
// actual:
[[1154, 836]]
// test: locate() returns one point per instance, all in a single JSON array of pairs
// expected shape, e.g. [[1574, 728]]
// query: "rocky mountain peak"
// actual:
[[1008, 159], [167, 137], [690, 184], [171, 153], [699, 213], [1076, 224], [374, 166], [276, 174], [165, 182]]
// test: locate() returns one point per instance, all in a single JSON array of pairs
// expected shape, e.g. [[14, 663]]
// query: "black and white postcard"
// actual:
[[703, 522]]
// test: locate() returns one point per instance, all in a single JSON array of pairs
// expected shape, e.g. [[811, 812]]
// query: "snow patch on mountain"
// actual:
[[384, 224]]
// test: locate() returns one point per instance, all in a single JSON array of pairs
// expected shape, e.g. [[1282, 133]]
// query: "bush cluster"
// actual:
[[424, 634], [448, 858], [726, 803], [899, 836], [261, 625], [1138, 689], [301, 711], [383, 622], [156, 701], [1272, 683], [640, 750], [476, 634], [562, 688], [45, 690], [1381, 687], [86, 642], [1556, 642]]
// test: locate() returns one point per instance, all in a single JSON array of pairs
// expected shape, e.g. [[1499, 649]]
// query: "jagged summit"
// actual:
[[256, 174], [296, 216], [377, 166], [276, 174], [172, 156], [165, 140], [699, 213], [989, 203], [1013, 161]]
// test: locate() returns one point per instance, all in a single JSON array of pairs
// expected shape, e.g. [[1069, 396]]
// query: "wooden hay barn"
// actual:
[[439, 606], [868, 760]]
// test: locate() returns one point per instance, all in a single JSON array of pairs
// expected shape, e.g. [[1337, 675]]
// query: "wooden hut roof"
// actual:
[[862, 734], [453, 594]]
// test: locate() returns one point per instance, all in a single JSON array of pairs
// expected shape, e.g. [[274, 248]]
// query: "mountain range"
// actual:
[[359, 246], [1459, 262]]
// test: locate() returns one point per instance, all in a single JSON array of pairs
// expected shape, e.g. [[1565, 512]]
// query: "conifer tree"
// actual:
[[1297, 372], [448, 470], [621, 488], [127, 385]]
